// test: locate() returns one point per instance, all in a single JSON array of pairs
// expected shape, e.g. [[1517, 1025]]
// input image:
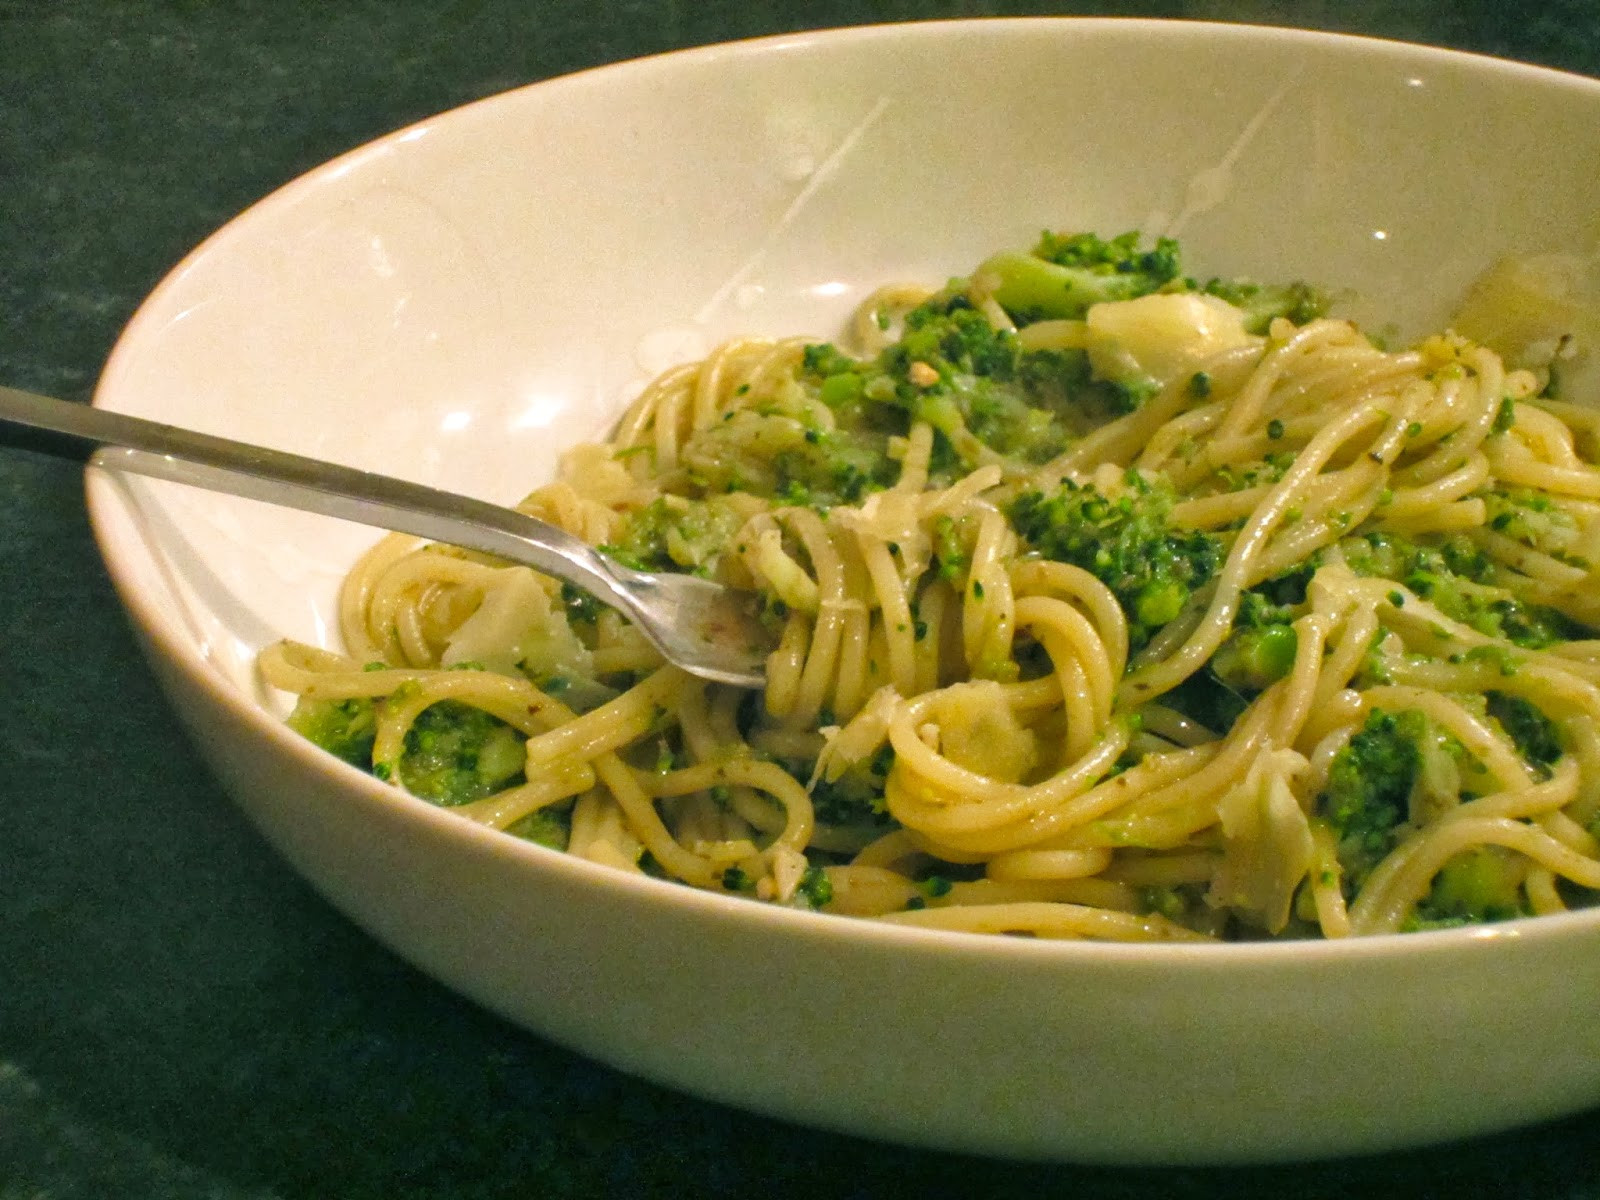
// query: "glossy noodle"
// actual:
[[1110, 605]]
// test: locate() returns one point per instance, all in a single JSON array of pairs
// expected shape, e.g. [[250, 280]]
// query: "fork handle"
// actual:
[[79, 432]]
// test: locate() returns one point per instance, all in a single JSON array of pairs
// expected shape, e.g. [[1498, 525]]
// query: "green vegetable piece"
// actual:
[[1536, 736], [1067, 274], [455, 754], [1478, 885], [1369, 788], [1128, 543], [345, 728]]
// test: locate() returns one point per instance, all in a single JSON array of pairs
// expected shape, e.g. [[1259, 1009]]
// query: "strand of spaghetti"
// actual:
[[1387, 910], [1298, 543], [1245, 411], [1035, 576], [1095, 893], [785, 663], [1333, 917], [613, 724], [515, 701], [1163, 870], [1529, 561], [645, 823], [833, 600], [988, 608], [709, 388], [1302, 683], [981, 812], [914, 464], [1379, 901], [886, 850], [859, 639], [1496, 754], [1044, 919], [1150, 681], [1048, 864], [393, 605], [1470, 476], [548, 787], [1540, 888], [1581, 737], [1223, 764], [672, 412], [1067, 826], [1122, 440], [1178, 436], [601, 835], [1081, 663], [742, 771], [933, 606], [355, 594], [898, 624], [1568, 832], [1456, 517], [960, 494], [1480, 397]]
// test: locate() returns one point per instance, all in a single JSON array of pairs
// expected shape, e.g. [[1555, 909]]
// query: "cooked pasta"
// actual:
[[1108, 605]]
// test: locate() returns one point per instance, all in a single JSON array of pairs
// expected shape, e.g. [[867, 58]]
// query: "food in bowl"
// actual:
[[1110, 604]]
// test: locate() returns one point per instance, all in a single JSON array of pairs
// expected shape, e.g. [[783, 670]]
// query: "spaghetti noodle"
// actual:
[[1143, 617]]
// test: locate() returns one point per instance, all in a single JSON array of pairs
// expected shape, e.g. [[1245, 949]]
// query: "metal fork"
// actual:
[[707, 629]]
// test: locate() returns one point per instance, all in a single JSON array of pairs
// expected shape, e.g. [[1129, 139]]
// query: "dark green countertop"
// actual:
[[179, 1015]]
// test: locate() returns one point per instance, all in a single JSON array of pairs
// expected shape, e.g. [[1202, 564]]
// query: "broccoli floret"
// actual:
[[1254, 658], [1458, 579], [342, 727], [815, 889], [1536, 737], [1260, 651], [582, 608], [834, 468], [950, 334], [856, 796], [1263, 303], [676, 535], [1128, 542], [1066, 274], [547, 826], [1478, 885], [455, 754], [1369, 788]]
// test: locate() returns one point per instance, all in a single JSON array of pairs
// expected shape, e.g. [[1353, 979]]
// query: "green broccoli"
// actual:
[[1066, 274], [856, 796], [954, 370], [1459, 579], [1128, 542], [342, 727], [1263, 303], [550, 827], [673, 534], [1256, 656], [1478, 885], [1535, 735], [1369, 788], [815, 889], [839, 467], [455, 753]]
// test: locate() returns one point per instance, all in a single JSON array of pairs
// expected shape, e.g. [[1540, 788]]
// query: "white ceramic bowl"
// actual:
[[457, 302]]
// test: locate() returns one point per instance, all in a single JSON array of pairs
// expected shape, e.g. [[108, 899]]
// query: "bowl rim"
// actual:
[[690, 903]]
